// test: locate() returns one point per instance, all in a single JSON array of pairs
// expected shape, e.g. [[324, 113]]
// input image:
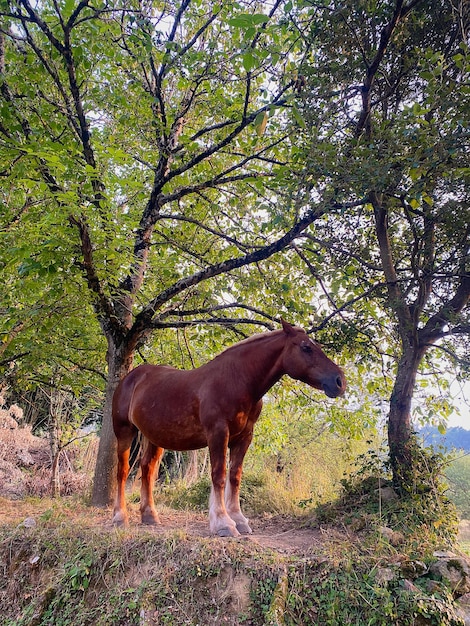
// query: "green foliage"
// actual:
[[423, 513], [95, 156], [193, 497], [457, 475], [353, 595], [291, 479]]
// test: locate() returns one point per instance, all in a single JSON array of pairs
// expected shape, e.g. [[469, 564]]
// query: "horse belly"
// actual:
[[179, 439], [170, 421]]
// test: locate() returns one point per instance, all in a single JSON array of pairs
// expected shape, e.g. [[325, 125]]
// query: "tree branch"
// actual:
[[434, 328], [208, 229], [144, 318], [364, 122], [104, 307], [246, 121], [453, 356], [395, 295], [221, 321], [211, 309]]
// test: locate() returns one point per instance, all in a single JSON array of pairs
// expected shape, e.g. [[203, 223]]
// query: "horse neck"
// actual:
[[257, 363]]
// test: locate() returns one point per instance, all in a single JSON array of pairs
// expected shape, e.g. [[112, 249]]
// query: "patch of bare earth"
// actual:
[[285, 535]]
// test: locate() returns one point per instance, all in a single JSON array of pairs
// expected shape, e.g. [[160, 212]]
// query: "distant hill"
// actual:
[[455, 437]]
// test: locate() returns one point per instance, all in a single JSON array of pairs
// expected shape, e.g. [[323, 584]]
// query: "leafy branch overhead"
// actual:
[[198, 105]]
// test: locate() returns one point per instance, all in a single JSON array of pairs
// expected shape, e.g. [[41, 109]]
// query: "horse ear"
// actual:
[[286, 327]]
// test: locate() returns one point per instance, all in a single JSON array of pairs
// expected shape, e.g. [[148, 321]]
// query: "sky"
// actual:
[[461, 394]]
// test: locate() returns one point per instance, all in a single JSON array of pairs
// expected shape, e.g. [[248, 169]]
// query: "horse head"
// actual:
[[304, 360]]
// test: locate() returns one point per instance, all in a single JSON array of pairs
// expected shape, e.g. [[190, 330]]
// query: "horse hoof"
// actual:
[[227, 532], [244, 529], [119, 522], [150, 521]]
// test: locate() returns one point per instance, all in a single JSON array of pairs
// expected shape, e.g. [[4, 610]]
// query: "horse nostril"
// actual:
[[339, 382]]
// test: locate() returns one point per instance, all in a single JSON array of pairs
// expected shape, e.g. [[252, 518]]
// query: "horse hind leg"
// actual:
[[125, 436], [149, 465]]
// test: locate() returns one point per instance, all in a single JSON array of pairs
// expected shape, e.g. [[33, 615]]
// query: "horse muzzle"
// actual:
[[335, 386]]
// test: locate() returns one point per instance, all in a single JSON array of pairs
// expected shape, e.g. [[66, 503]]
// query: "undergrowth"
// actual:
[[59, 574], [261, 492], [62, 577], [422, 514]]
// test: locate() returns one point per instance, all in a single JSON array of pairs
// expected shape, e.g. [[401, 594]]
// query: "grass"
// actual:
[[72, 568]]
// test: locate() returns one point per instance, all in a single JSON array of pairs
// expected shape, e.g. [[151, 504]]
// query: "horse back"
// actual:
[[176, 409], [126, 388], [163, 403]]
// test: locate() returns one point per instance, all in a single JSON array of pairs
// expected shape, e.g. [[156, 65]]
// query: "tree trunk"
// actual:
[[104, 483], [56, 408], [191, 473], [399, 421], [55, 475]]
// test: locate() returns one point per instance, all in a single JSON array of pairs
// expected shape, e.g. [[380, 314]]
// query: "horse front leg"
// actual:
[[238, 449], [219, 521], [149, 464]]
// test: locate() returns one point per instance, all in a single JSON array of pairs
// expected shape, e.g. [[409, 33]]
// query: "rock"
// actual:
[[29, 522], [392, 536], [455, 570], [444, 554], [386, 532], [462, 608], [409, 586], [434, 586], [388, 494], [413, 569], [385, 575]]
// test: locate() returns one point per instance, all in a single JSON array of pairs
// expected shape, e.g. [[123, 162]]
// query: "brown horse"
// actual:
[[215, 405]]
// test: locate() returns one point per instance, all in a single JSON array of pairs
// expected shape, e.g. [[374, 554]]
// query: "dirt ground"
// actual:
[[285, 535]]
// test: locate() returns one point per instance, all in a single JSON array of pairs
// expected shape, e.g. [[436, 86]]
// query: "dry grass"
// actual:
[[26, 461]]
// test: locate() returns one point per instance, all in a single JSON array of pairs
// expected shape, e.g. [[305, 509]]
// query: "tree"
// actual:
[[155, 161], [393, 128], [144, 133]]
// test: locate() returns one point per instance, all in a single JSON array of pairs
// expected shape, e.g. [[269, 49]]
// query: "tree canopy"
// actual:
[[191, 164], [401, 129]]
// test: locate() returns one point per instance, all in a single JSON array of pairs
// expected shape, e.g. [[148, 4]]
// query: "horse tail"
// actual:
[[121, 407]]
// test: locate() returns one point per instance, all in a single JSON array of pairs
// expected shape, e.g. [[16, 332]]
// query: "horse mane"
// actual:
[[250, 340]]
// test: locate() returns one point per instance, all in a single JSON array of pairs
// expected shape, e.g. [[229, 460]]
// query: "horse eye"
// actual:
[[305, 347]]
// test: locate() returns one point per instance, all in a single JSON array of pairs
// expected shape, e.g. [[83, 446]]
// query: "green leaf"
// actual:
[[260, 123], [298, 116], [249, 60], [247, 20], [442, 428]]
